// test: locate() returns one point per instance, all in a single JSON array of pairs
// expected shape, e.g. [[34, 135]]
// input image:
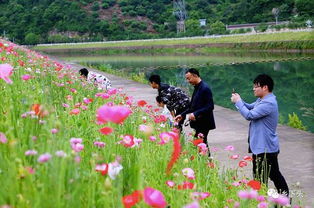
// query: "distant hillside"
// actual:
[[39, 21]]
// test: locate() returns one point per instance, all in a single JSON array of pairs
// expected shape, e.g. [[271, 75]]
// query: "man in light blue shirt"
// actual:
[[263, 138]]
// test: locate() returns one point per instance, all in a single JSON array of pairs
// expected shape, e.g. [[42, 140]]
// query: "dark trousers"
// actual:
[[204, 131], [266, 165]]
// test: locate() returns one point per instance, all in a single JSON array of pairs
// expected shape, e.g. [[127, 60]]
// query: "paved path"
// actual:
[[297, 147]]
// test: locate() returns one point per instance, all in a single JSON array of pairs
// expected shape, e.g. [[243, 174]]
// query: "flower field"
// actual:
[[64, 143]]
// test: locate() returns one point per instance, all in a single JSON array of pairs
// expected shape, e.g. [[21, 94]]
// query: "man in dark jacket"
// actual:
[[175, 99], [200, 113]]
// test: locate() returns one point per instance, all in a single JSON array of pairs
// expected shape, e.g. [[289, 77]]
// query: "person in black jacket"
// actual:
[[200, 113], [173, 97]]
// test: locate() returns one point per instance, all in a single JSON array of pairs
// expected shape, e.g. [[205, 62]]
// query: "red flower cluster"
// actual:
[[132, 199], [256, 185]]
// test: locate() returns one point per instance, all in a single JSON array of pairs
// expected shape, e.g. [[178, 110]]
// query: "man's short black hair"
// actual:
[[83, 72], [158, 99], [155, 78], [193, 71], [264, 80]]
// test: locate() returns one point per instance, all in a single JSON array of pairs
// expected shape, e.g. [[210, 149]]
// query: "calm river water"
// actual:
[[293, 76]]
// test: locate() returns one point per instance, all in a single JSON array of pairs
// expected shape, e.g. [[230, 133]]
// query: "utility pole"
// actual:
[[276, 12], [180, 13]]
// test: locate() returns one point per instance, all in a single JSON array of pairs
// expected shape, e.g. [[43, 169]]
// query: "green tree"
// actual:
[[305, 7], [217, 28], [32, 39], [193, 27]]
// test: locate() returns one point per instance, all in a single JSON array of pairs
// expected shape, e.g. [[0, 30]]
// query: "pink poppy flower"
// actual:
[[154, 198], [128, 141], [77, 159], [6, 71], [164, 137], [280, 200], [112, 91], [26, 77], [171, 184], [102, 95], [65, 105], [189, 173], [194, 204], [44, 158], [262, 205], [146, 129], [236, 204], [234, 157], [236, 184], [229, 148], [260, 198], [69, 97], [75, 140], [200, 136], [77, 147], [3, 138], [200, 195], [99, 144], [30, 170], [87, 100], [84, 107], [251, 194], [152, 138], [75, 111], [115, 114], [60, 153], [106, 130], [30, 152], [214, 149], [202, 148], [77, 105], [54, 131]]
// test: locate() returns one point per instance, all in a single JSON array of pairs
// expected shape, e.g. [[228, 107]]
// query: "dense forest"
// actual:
[[40, 21]]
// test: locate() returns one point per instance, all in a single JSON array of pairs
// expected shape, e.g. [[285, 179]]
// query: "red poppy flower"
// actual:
[[39, 111], [58, 68], [248, 158], [132, 199], [106, 130], [21, 63], [211, 165], [102, 168], [242, 164], [186, 185], [141, 103], [256, 185], [36, 108], [197, 141]]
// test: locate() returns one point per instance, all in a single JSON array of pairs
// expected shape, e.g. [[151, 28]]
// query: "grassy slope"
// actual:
[[284, 36]]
